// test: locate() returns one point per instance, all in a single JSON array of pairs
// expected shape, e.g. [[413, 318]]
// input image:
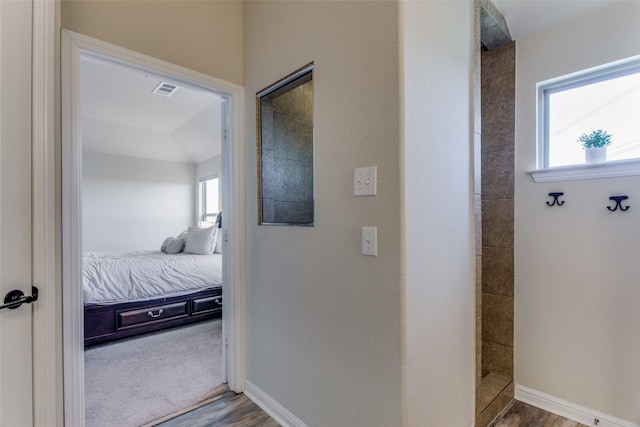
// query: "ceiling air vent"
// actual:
[[165, 89]]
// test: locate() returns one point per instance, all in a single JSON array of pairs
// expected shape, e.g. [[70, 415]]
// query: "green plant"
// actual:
[[596, 139]]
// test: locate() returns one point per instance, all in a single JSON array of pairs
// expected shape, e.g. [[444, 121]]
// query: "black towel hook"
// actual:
[[618, 200], [555, 199]]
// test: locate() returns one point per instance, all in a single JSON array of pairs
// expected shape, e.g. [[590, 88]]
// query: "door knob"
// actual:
[[15, 298]]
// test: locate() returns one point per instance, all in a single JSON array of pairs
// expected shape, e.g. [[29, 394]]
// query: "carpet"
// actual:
[[136, 380]]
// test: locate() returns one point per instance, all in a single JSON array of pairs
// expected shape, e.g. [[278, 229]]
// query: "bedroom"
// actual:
[[151, 175]]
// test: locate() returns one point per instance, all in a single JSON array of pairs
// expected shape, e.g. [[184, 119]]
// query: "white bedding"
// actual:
[[113, 277]]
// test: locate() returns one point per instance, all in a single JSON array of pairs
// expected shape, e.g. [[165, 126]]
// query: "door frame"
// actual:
[[73, 46], [46, 336]]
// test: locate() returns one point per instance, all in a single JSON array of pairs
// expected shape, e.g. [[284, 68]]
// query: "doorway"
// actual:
[[75, 47]]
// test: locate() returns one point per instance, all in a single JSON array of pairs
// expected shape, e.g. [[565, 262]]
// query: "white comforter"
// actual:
[[112, 277]]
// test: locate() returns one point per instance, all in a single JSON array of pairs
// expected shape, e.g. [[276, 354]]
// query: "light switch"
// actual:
[[364, 181], [370, 241]]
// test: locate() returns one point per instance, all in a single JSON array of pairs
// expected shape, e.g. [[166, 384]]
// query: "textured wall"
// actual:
[[204, 36], [438, 236], [477, 182], [134, 204], [209, 167], [324, 321], [577, 293]]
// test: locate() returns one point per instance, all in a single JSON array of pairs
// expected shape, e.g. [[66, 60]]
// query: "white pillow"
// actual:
[[218, 249], [172, 245], [200, 241]]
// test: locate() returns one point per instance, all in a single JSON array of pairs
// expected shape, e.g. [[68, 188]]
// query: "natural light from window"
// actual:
[[209, 200], [611, 104]]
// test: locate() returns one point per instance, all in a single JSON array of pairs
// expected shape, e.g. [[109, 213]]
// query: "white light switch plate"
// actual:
[[370, 241], [364, 181]]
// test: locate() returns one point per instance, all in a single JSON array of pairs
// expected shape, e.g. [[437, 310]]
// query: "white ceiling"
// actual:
[[120, 115], [525, 17]]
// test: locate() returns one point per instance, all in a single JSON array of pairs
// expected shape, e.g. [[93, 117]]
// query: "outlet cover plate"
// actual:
[[370, 241], [365, 181]]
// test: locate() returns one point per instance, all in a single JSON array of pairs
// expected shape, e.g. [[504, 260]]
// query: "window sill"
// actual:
[[611, 169]]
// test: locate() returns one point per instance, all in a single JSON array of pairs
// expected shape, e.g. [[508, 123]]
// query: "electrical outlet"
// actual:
[[364, 181], [370, 241]]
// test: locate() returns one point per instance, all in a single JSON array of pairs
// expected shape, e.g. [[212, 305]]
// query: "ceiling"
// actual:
[[120, 115], [525, 17]]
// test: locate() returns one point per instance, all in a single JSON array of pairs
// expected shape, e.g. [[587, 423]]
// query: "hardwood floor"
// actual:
[[236, 410], [523, 415], [229, 410]]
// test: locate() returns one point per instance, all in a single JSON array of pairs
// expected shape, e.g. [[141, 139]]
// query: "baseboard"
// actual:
[[568, 410], [282, 415]]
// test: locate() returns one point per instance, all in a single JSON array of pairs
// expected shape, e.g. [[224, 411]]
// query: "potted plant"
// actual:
[[595, 145]]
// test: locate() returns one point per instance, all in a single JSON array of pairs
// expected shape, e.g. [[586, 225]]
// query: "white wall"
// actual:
[[324, 321], [339, 338], [577, 294], [204, 36], [438, 209], [209, 167], [134, 204]]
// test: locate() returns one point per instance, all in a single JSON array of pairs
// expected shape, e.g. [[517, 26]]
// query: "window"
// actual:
[[209, 199], [606, 98]]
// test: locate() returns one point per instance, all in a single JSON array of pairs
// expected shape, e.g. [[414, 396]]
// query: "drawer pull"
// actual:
[[217, 301], [150, 314]]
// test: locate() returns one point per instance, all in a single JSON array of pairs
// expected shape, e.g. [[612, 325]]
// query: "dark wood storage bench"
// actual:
[[103, 323]]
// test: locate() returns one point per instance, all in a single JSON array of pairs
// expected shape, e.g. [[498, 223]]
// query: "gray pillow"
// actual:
[[172, 245], [200, 241]]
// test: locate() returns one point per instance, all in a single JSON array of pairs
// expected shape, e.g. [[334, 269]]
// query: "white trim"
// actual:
[[234, 225], [269, 405], [47, 358], [568, 410], [610, 169], [73, 46], [72, 318]]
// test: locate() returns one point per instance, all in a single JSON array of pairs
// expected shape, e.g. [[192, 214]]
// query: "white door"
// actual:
[[16, 397]]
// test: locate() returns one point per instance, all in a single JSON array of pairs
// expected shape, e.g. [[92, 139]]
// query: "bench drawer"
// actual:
[[206, 305], [157, 313]]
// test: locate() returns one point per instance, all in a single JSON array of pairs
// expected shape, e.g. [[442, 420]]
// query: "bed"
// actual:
[[130, 293]]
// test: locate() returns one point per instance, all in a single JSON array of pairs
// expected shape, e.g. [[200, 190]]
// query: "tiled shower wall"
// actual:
[[497, 195], [287, 156]]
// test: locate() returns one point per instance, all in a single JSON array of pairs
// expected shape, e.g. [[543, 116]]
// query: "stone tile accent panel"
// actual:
[[497, 223], [497, 406], [287, 156], [497, 319], [497, 194], [497, 271], [497, 358], [498, 174]]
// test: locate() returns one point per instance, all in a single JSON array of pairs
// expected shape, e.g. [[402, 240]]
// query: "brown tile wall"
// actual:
[[287, 155], [497, 195]]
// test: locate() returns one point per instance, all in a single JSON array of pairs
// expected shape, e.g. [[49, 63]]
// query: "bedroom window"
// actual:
[[577, 108], [209, 199]]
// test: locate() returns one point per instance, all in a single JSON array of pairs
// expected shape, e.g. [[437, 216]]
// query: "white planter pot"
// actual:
[[595, 155]]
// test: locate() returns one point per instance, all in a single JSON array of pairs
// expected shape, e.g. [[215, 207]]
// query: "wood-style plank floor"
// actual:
[[229, 410], [523, 415], [236, 410]]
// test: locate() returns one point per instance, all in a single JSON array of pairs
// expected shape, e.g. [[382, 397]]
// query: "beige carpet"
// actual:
[[133, 381]]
